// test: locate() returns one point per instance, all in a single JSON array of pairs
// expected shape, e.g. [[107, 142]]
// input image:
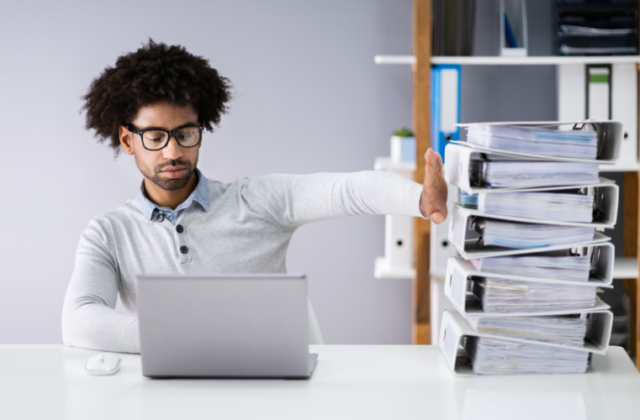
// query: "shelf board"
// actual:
[[381, 271], [535, 60], [394, 59], [620, 167], [384, 163], [511, 61], [625, 268]]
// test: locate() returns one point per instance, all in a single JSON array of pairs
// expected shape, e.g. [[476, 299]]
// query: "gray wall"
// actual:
[[308, 98]]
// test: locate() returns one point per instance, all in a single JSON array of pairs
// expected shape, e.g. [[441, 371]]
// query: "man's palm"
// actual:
[[433, 202]]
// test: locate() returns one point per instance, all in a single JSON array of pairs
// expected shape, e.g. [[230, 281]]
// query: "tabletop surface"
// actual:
[[366, 382]]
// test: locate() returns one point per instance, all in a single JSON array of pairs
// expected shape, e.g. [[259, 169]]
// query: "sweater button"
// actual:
[[160, 217], [184, 249], [179, 229]]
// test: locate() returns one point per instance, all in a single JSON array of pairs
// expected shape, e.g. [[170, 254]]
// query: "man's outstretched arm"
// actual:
[[293, 200]]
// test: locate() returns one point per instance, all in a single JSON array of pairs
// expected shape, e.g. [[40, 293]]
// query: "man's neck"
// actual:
[[170, 198]]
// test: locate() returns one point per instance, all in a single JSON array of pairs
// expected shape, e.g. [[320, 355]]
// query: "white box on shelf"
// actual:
[[398, 232], [440, 247], [513, 28], [398, 242]]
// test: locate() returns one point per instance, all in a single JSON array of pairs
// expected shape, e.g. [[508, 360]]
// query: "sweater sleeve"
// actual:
[[89, 319], [293, 200]]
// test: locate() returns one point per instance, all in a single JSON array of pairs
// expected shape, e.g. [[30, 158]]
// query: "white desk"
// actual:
[[350, 382]]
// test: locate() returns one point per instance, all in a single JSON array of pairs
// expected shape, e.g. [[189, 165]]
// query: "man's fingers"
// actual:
[[439, 160]]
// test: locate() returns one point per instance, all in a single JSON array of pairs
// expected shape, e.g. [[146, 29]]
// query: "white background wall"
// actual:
[[308, 98]]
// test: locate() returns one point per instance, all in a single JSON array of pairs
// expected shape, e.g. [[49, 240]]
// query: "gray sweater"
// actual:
[[247, 229]]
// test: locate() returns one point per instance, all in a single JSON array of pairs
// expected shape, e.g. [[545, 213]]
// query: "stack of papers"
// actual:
[[526, 174], [535, 140], [564, 330], [555, 206], [560, 265], [586, 31], [530, 235], [467, 200], [497, 295], [502, 357]]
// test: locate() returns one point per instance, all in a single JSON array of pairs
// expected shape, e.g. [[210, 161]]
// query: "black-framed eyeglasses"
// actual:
[[155, 139]]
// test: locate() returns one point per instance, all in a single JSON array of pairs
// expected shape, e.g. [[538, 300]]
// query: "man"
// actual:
[[154, 105]]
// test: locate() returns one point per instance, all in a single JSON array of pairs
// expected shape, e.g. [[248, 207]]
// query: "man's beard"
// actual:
[[176, 183]]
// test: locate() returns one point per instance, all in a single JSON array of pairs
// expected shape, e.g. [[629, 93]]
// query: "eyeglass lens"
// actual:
[[187, 137]]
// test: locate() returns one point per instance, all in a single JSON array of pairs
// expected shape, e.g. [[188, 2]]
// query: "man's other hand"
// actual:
[[433, 201]]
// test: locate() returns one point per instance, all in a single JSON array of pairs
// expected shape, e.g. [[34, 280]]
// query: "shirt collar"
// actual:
[[200, 195]]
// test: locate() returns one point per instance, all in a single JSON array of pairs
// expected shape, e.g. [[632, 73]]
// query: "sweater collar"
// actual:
[[200, 195]]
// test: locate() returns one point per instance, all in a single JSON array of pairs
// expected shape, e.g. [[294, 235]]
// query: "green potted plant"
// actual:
[[403, 146]]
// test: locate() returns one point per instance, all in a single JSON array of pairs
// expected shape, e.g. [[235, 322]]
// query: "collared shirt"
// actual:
[[247, 230], [153, 211]]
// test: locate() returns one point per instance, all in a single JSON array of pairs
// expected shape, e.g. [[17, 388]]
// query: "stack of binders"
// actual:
[[532, 256]]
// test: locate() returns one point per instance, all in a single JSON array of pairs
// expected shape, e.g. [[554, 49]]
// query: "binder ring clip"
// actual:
[[595, 127]]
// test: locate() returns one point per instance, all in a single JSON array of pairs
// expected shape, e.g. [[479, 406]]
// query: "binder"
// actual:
[[460, 271], [462, 169], [456, 291], [598, 91], [454, 330], [601, 275], [453, 27], [606, 205], [609, 137], [465, 240], [445, 105]]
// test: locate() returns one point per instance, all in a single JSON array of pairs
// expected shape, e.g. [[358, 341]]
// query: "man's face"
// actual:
[[169, 168]]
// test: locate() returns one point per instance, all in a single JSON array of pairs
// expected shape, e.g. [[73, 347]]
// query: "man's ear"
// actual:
[[126, 140]]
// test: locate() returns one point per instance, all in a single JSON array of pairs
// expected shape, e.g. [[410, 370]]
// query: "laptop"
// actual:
[[224, 326]]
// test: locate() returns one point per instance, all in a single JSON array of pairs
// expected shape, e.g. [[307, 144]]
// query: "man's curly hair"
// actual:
[[156, 72]]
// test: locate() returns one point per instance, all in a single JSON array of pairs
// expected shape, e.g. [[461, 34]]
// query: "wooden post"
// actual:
[[631, 236], [421, 126], [630, 249]]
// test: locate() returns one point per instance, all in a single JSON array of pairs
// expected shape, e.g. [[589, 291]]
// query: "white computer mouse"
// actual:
[[103, 364]]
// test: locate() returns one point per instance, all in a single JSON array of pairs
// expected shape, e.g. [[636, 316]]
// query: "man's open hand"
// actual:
[[433, 201]]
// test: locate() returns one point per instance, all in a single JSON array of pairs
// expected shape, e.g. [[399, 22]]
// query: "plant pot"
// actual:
[[403, 149]]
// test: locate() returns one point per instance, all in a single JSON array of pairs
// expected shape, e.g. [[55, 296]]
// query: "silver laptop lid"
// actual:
[[232, 325]]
